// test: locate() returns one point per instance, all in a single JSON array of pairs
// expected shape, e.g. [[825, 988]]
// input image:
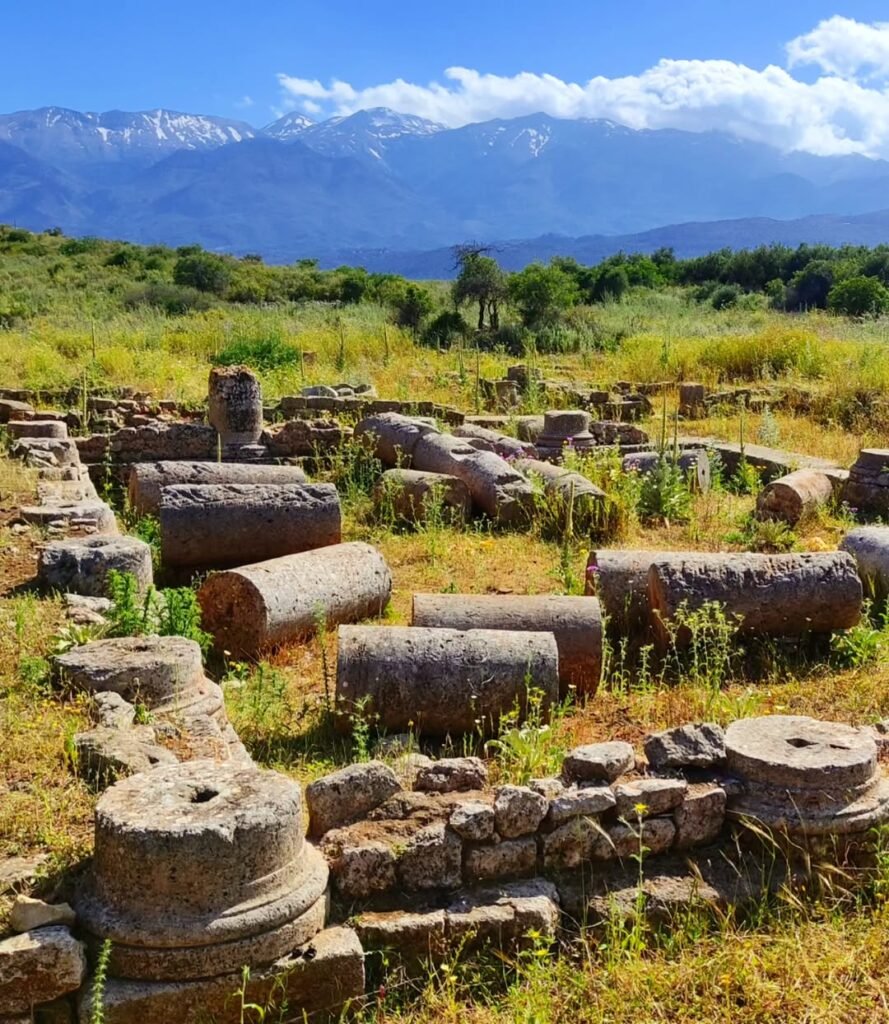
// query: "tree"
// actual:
[[412, 308], [540, 293], [858, 296], [810, 286], [611, 283], [481, 281], [202, 270]]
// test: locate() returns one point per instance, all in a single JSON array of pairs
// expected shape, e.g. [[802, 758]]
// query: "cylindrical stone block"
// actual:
[[225, 525], [157, 671], [575, 622], [569, 489], [235, 404], [496, 488], [256, 607], [409, 493], [393, 437], [37, 428], [441, 681], [197, 865], [774, 595], [529, 428], [694, 463], [147, 479], [791, 497], [620, 580], [563, 428], [81, 565], [493, 441], [869, 546]]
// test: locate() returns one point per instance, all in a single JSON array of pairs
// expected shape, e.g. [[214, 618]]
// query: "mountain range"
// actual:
[[397, 190]]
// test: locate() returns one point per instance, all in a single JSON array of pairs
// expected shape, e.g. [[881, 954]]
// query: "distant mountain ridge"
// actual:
[[378, 180]]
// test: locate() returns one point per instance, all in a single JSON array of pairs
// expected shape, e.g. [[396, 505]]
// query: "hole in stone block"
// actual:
[[203, 796], [797, 741]]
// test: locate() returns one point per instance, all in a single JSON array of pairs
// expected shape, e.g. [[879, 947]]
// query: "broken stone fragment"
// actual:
[[431, 859], [507, 859], [348, 794], [28, 913], [105, 754], [623, 841], [473, 820], [592, 798], [648, 797], [599, 762], [570, 845], [688, 746], [518, 810], [452, 774], [700, 817], [38, 966]]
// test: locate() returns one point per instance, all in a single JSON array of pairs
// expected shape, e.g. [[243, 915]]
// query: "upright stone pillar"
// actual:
[[235, 399]]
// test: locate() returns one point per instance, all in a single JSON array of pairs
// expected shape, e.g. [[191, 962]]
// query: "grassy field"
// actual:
[[804, 960]]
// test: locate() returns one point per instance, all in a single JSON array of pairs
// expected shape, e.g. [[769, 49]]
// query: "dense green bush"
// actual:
[[858, 296], [262, 354]]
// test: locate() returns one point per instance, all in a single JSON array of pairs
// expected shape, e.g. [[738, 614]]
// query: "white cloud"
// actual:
[[244, 102], [844, 47], [842, 111]]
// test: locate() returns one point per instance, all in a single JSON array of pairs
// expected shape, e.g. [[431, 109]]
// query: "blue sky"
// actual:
[[690, 63]]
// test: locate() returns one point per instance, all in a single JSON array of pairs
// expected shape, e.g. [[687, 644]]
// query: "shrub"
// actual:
[[202, 270], [725, 296], [262, 354], [174, 299], [858, 296], [443, 330]]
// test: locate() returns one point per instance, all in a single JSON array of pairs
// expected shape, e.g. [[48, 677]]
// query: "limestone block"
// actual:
[[599, 762], [81, 565], [507, 859], [699, 745], [518, 810], [451, 775], [38, 966], [348, 794]]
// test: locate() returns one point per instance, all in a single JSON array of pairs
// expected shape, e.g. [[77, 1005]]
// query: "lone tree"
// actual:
[[541, 293], [481, 281]]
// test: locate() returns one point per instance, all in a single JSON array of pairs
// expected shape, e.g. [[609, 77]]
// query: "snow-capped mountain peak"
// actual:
[[72, 136], [289, 126]]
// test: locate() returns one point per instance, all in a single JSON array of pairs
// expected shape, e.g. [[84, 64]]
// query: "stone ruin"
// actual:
[[201, 866]]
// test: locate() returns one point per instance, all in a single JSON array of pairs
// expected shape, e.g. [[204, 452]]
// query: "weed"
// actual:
[[171, 612], [100, 976], [528, 743]]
